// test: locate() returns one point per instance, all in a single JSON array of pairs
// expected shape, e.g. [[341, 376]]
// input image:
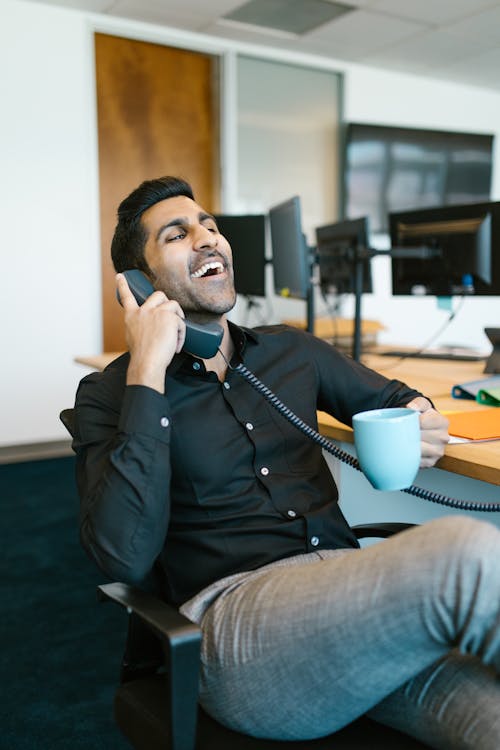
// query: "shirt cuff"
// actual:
[[146, 411]]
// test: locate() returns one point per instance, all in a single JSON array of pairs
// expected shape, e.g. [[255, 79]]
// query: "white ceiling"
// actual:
[[455, 40]]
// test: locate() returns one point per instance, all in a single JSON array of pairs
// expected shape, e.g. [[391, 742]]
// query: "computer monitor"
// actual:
[[247, 237], [336, 246], [466, 239], [389, 169], [291, 267]]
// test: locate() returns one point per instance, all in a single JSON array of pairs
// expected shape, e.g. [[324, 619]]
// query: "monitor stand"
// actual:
[[493, 361]]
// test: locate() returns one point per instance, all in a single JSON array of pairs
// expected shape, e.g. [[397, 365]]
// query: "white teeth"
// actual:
[[206, 267]]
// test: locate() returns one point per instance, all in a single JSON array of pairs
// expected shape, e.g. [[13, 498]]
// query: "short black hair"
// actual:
[[129, 239]]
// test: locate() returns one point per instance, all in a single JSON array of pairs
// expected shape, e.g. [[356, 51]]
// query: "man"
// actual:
[[181, 463]]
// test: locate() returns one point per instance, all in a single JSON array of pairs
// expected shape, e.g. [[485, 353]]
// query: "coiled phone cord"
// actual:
[[296, 421]]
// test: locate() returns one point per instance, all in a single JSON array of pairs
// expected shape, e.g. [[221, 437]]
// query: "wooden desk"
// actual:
[[434, 378]]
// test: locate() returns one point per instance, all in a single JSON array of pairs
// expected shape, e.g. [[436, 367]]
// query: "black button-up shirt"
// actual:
[[209, 479]]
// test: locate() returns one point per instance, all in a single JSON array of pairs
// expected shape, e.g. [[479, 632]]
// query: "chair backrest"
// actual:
[[143, 652], [67, 417]]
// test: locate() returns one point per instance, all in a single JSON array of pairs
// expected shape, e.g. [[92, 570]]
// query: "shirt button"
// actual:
[[164, 422], [315, 541], [196, 366], [249, 426], [291, 514], [264, 471], [226, 385]]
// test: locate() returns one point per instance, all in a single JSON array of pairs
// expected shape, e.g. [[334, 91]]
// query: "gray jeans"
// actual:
[[407, 630]]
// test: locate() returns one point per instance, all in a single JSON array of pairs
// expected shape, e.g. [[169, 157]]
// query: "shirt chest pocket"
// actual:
[[300, 454], [212, 454]]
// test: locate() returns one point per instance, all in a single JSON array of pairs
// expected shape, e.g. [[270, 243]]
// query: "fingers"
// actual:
[[156, 299], [127, 299], [420, 404], [436, 424], [181, 336], [431, 453], [160, 299], [434, 437], [433, 431]]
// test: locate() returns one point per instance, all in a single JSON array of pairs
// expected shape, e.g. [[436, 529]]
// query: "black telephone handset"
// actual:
[[201, 340]]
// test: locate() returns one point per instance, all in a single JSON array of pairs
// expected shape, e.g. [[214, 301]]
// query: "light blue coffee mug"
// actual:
[[387, 444]]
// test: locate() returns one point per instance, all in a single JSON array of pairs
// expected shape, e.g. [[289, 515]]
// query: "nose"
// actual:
[[204, 238]]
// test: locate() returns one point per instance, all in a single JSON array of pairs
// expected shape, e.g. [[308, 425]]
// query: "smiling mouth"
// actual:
[[213, 268]]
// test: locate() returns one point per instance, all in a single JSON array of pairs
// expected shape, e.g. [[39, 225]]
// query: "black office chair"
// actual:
[[156, 702]]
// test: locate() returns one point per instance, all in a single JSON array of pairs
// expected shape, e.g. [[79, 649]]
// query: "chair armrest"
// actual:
[[382, 529], [181, 641], [162, 618]]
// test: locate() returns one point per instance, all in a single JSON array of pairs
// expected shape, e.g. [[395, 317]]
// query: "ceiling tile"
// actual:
[[326, 48], [484, 25], [93, 6], [187, 15], [359, 3], [431, 49], [251, 35], [156, 15], [364, 32], [485, 65], [432, 12]]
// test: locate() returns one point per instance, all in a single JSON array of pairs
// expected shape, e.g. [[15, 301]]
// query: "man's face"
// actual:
[[192, 262]]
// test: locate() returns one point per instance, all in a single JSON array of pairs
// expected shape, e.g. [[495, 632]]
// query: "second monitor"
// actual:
[[291, 263], [337, 246], [247, 236]]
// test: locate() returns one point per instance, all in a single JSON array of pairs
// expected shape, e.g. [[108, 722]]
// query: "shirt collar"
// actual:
[[240, 335]]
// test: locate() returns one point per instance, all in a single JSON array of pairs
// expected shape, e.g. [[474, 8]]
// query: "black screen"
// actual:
[[389, 169], [247, 237], [467, 241], [336, 245], [290, 252]]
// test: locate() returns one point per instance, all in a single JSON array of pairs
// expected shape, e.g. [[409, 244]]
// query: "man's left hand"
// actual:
[[433, 431]]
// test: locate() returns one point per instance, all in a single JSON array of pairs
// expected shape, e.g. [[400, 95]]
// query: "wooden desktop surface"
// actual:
[[434, 378]]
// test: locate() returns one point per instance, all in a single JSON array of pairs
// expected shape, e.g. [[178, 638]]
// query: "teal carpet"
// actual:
[[60, 650]]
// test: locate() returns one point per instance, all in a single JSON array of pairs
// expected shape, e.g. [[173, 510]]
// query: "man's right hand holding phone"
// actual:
[[155, 331]]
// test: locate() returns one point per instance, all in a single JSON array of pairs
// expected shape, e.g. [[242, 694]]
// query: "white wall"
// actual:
[[49, 199]]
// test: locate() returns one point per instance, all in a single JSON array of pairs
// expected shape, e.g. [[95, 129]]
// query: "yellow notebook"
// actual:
[[475, 425]]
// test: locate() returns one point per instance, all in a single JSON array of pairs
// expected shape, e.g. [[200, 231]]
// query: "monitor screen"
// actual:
[[466, 239], [290, 251], [247, 237], [336, 245], [389, 169]]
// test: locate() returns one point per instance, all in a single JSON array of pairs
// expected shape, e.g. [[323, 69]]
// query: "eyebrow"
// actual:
[[181, 221]]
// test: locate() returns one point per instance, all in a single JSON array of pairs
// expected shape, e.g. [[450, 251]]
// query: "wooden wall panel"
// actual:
[[157, 114]]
